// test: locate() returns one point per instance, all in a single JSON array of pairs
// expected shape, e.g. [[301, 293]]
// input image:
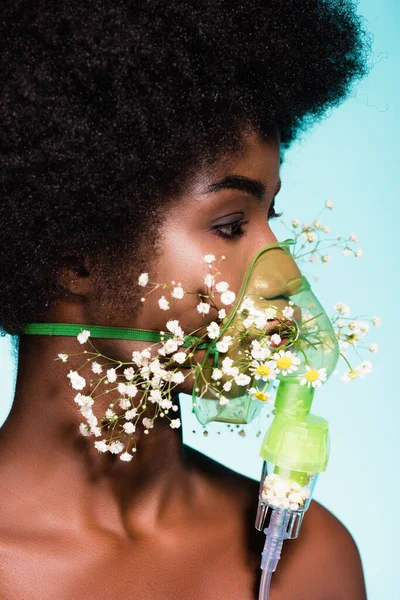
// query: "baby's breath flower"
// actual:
[[116, 447], [276, 339], [288, 312], [125, 456], [346, 251], [175, 423], [373, 348], [353, 237], [179, 357], [377, 321], [227, 386], [143, 279], [121, 388], [148, 423], [326, 258], [295, 223], [125, 403], [97, 368], [223, 400], [178, 377], [77, 382], [129, 373], [203, 308], [228, 298], [110, 414], [216, 374], [130, 414], [358, 253], [111, 375], [84, 429], [83, 336], [342, 308], [329, 204], [228, 368], [163, 303], [129, 427], [223, 345], [177, 293], [209, 280], [222, 313], [209, 258], [213, 330], [63, 357], [326, 229], [242, 379], [222, 286], [102, 446]]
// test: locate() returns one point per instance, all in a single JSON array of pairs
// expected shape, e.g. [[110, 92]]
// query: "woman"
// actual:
[[138, 137]]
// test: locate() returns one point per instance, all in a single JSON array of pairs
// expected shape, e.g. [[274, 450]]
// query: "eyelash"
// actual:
[[235, 227]]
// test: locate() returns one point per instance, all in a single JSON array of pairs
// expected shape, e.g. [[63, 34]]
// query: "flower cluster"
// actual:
[[284, 494]]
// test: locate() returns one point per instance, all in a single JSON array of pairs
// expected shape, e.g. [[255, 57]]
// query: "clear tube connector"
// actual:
[[286, 491]]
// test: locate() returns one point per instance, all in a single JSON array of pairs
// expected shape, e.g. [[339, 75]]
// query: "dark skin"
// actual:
[[172, 523]]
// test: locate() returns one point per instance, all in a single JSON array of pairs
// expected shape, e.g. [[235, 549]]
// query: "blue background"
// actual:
[[352, 158]]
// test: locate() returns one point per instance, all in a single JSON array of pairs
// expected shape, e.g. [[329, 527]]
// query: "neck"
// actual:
[[42, 451]]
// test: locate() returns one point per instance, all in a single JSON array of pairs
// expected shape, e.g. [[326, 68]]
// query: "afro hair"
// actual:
[[107, 107]]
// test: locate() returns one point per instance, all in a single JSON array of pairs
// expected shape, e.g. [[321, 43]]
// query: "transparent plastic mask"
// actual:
[[273, 287]]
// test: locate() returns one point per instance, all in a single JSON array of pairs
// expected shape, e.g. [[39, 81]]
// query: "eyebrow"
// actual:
[[240, 182]]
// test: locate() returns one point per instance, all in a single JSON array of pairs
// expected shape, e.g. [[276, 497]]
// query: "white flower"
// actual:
[[131, 390], [228, 298], [130, 414], [350, 375], [358, 253], [83, 336], [209, 280], [143, 279], [373, 348], [329, 204], [216, 374], [222, 313], [342, 308], [353, 237], [174, 327], [168, 347], [259, 352], [77, 382], [311, 236], [155, 396], [178, 377], [295, 223], [175, 423], [286, 362], [129, 373], [97, 368], [166, 404], [125, 403], [242, 379], [227, 386], [228, 368], [179, 357], [121, 388], [129, 427], [110, 414], [147, 423], [222, 286], [111, 375], [223, 400], [313, 258], [276, 339], [177, 293], [377, 321], [247, 304], [101, 446], [213, 330], [203, 308], [125, 456], [83, 428], [63, 357], [346, 251], [209, 258], [288, 312], [116, 447], [224, 343], [313, 377], [326, 258], [163, 303], [365, 367], [317, 224], [326, 229]]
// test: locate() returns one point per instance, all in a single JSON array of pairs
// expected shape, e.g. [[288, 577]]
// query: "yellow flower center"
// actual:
[[263, 370], [353, 374], [261, 396], [312, 375], [284, 362]]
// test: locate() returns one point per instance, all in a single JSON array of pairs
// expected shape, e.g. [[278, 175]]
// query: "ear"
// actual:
[[75, 275]]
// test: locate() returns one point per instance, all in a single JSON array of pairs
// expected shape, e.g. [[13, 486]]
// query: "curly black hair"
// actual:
[[107, 108]]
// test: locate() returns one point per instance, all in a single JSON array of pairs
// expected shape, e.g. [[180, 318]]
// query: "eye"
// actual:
[[234, 230]]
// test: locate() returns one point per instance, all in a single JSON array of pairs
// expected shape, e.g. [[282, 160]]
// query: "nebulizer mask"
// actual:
[[277, 337], [278, 333]]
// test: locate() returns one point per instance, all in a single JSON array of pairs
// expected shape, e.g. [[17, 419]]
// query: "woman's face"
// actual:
[[225, 212]]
